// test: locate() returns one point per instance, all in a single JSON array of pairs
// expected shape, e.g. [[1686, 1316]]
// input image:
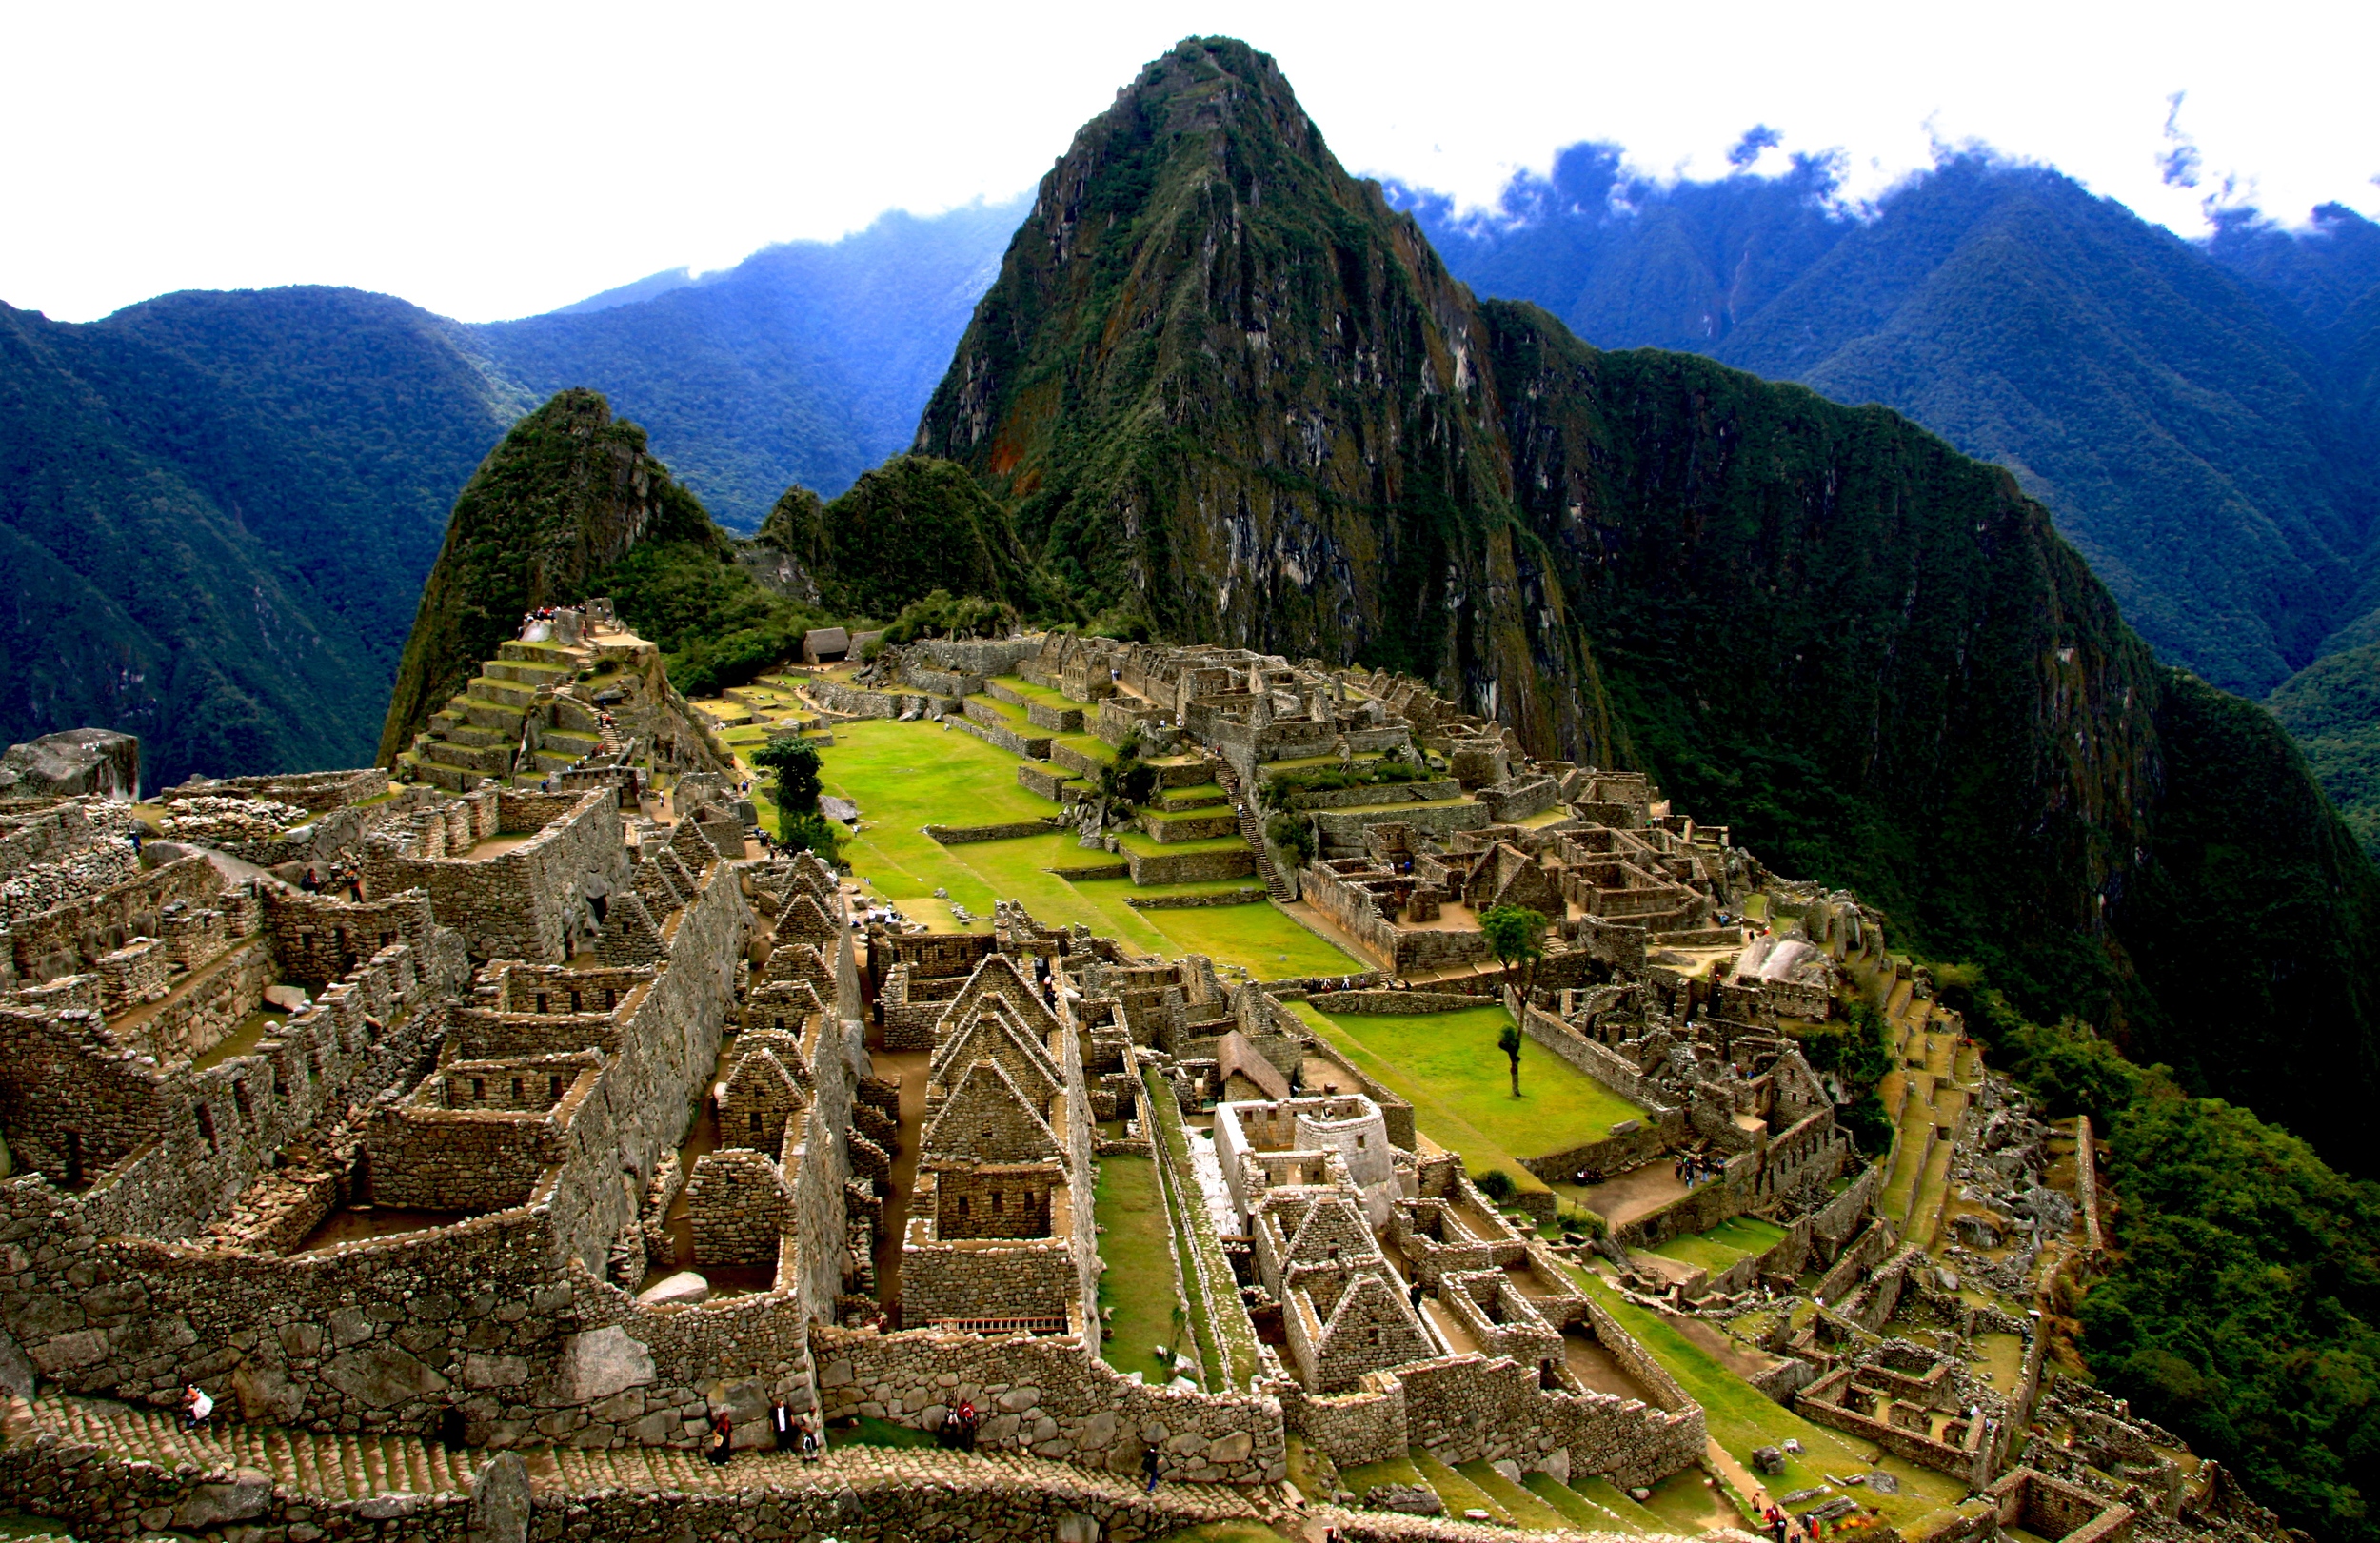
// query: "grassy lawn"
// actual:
[[1460, 1084], [1740, 1417], [905, 776], [1043, 696], [1138, 1282], [1731, 1240]]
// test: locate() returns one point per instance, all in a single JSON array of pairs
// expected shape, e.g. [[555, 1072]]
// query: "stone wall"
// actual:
[[961, 834], [70, 938], [319, 937], [1048, 1397], [738, 1206], [522, 903], [1188, 867], [1472, 1409]]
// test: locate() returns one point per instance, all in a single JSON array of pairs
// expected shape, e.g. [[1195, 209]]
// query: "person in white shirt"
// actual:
[[196, 1406]]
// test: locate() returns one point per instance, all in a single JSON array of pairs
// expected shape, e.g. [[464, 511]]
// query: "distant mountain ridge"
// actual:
[[217, 509], [2176, 405]]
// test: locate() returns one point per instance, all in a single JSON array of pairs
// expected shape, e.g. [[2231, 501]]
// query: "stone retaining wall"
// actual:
[[1253, 895], [961, 834], [1189, 867], [1048, 1396]]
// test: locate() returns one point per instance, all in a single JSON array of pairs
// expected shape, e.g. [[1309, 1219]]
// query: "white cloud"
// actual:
[[493, 160]]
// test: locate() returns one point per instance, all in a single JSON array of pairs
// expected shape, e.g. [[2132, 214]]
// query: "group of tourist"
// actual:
[[1787, 1528], [1693, 1168], [794, 1433], [959, 1427], [346, 877]]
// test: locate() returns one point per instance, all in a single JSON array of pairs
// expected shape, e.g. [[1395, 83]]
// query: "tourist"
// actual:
[[813, 1439], [1148, 1467], [312, 884], [196, 1406], [723, 1427], [1413, 1294], [967, 1420], [136, 840], [784, 1425]]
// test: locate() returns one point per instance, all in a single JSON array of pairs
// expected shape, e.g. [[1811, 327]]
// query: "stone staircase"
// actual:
[[477, 735], [1252, 830], [357, 1467], [336, 1466]]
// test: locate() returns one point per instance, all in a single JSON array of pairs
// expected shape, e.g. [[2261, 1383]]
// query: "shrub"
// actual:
[[811, 832], [1293, 834], [1497, 1185]]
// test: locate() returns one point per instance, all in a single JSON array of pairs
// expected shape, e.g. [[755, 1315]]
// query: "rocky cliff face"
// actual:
[[1223, 384], [1226, 387], [564, 497]]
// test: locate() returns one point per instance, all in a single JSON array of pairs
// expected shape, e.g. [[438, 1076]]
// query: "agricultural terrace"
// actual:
[[906, 776]]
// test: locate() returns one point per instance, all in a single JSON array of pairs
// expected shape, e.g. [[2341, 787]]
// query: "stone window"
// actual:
[[239, 1099], [756, 1123], [206, 1126], [780, 1023], [576, 1004], [611, 997], [520, 1090], [478, 1090], [963, 1200], [553, 1088], [73, 1158], [541, 1002]]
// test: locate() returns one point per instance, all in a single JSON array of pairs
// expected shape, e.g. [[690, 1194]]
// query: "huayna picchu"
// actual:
[[1465, 1022]]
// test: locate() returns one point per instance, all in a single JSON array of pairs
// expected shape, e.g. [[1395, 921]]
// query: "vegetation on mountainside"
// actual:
[[217, 518], [2197, 436], [2333, 708], [1283, 451], [1856, 1050], [2241, 1304], [1921, 693], [907, 530], [943, 615]]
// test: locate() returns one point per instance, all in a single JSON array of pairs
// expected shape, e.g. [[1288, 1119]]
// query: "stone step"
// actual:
[[466, 732], [548, 652], [483, 713], [438, 773], [490, 758], [530, 673], [509, 693]]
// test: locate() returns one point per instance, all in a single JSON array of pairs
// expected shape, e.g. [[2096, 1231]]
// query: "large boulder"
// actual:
[[71, 764]]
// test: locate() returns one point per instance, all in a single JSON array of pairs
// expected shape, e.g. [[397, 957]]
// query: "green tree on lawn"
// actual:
[[796, 763], [1516, 934], [1509, 1043]]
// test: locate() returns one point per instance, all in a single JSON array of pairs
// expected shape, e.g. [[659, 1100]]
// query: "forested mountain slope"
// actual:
[[805, 363], [1226, 384], [216, 509], [2193, 437]]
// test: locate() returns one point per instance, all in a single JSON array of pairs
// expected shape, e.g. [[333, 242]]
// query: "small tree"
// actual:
[[1516, 934], [1509, 1043], [1294, 835], [796, 763]]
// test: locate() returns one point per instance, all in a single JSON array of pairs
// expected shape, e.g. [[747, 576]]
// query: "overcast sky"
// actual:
[[492, 160]]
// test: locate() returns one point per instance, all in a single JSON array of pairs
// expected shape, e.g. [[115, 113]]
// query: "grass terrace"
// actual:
[[1136, 1238], [906, 776], [1740, 1417], [1736, 1239], [1446, 1064]]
